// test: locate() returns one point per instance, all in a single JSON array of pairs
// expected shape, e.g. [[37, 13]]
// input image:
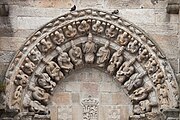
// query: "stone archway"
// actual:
[[96, 39]]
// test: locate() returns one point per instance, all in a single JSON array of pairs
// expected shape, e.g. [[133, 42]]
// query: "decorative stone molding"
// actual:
[[100, 40]]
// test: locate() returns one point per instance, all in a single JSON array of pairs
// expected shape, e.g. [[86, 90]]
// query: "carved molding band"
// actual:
[[99, 39]]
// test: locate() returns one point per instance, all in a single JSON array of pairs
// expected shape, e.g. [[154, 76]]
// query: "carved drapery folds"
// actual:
[[104, 41]]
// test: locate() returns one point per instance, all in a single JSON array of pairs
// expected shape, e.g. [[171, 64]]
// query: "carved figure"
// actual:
[[116, 60], [163, 95], [45, 45], [70, 32], [143, 54], [97, 27], [152, 66], [133, 46], [158, 77], [35, 106], [64, 60], [21, 79], [57, 37], [103, 54], [89, 49], [140, 94], [125, 71], [28, 66], [135, 81], [84, 27], [111, 31], [45, 82], [75, 54], [143, 107], [123, 39], [39, 94], [35, 55], [54, 71]]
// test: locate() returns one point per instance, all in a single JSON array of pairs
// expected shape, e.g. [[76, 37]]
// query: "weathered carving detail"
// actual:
[[134, 82], [75, 54], [89, 49], [35, 106], [84, 27], [133, 46], [21, 79], [45, 45], [64, 60], [116, 60], [125, 71], [35, 55], [111, 31], [28, 66], [54, 71], [39, 94], [71, 31], [45, 82], [103, 55], [90, 108], [57, 37], [17, 97], [123, 39], [163, 95], [97, 27]]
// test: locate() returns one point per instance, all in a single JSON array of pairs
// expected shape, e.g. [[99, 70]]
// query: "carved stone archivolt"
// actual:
[[96, 38]]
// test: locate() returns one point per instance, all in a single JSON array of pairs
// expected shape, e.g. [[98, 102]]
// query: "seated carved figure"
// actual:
[[133, 46], [89, 49], [84, 26], [141, 93], [97, 27], [28, 66], [57, 37], [54, 71], [45, 45], [135, 81], [45, 82], [103, 55], [71, 31], [116, 60], [125, 71], [39, 94], [111, 31], [35, 55], [35, 106], [163, 95], [64, 60], [75, 54], [123, 39], [152, 65], [141, 108]]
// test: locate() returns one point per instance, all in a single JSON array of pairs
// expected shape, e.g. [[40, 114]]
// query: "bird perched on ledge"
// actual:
[[73, 8], [115, 12]]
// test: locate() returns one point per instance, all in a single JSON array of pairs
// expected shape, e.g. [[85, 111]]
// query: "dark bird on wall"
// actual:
[[115, 12], [73, 8]]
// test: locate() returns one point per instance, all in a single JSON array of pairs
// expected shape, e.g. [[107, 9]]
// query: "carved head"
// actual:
[[59, 50], [120, 50], [70, 27], [83, 22], [107, 44], [112, 27], [90, 37]]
